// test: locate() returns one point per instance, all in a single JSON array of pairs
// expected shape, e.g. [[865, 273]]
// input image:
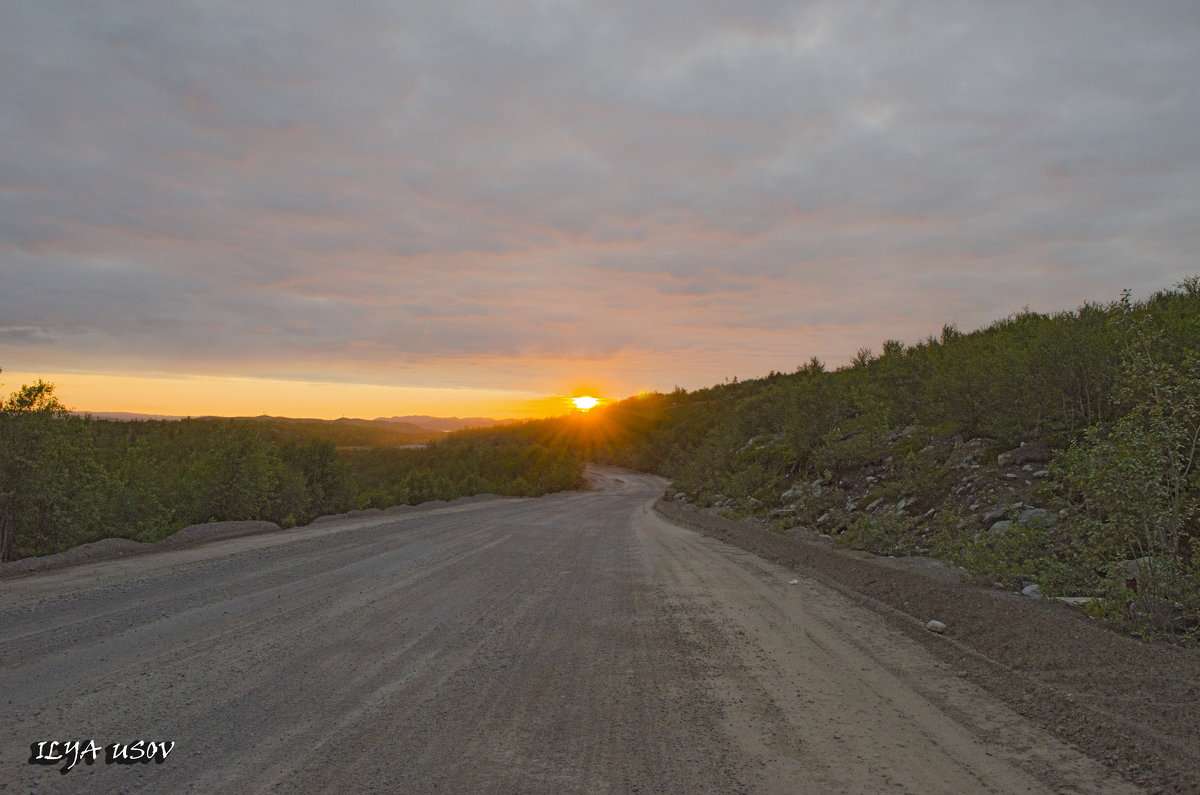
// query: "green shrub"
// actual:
[[884, 533]]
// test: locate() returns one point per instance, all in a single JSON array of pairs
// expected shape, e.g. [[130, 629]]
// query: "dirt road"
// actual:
[[572, 643]]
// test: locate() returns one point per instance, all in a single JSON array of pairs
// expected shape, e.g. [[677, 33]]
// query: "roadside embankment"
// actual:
[[196, 534]]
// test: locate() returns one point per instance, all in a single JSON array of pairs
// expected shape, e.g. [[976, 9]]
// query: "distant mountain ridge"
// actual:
[[126, 416], [445, 423], [408, 424], [403, 427]]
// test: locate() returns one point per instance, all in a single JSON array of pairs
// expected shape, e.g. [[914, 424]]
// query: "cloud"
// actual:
[[458, 193], [24, 335]]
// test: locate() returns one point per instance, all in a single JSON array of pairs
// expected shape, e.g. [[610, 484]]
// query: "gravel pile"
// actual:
[[105, 549]]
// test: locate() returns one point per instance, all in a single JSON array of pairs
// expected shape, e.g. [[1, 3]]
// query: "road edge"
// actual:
[[990, 655]]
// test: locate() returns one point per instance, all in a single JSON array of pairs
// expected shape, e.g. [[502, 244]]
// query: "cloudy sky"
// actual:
[[427, 199]]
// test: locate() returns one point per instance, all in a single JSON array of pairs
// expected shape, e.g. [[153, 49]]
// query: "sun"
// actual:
[[585, 403]]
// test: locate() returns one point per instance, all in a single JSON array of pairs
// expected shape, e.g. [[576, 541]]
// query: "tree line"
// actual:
[[67, 480]]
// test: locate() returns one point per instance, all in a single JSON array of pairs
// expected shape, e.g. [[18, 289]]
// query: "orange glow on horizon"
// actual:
[[224, 396]]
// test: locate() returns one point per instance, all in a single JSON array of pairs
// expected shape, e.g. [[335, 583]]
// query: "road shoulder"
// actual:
[[1133, 705]]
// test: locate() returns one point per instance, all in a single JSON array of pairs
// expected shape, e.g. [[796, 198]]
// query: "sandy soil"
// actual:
[[573, 643]]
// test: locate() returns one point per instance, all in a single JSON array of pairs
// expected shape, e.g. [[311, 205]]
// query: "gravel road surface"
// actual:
[[573, 643]]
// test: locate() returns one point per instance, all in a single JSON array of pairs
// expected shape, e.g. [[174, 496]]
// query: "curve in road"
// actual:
[[571, 643]]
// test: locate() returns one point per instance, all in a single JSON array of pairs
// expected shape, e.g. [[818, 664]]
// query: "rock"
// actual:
[[755, 503], [1000, 513], [936, 626], [875, 504], [1025, 454], [798, 490], [1133, 568], [216, 531], [1078, 601], [998, 526], [1032, 591], [1041, 473], [780, 513], [1142, 573], [1036, 515], [1158, 613], [823, 517], [961, 457]]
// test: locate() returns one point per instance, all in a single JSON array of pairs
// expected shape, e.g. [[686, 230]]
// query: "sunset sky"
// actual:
[[369, 208]]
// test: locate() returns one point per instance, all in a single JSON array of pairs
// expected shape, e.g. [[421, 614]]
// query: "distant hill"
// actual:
[[385, 426], [419, 424], [348, 432], [445, 423], [344, 432], [126, 416]]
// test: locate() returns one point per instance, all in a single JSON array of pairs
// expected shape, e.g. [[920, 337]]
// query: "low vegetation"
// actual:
[[1054, 454], [1057, 451]]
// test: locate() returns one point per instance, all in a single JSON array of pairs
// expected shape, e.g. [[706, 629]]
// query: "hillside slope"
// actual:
[[1059, 451]]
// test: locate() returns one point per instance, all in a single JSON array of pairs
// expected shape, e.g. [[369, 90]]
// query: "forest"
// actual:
[[67, 480], [1055, 450]]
